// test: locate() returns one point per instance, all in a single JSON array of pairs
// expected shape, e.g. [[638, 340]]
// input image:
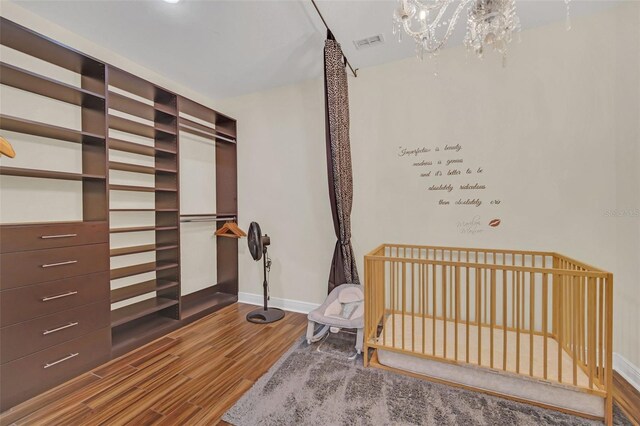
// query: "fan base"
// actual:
[[260, 316]]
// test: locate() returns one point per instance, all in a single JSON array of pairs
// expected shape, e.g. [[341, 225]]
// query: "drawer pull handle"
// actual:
[[66, 358], [59, 296], [53, 330], [68, 262], [48, 237]]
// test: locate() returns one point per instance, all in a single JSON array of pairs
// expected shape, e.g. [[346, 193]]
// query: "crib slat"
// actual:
[[457, 289], [444, 311], [478, 314], [504, 319], [413, 306], [545, 299], [467, 315], [435, 311], [393, 304], [532, 307], [518, 323], [601, 329], [403, 294], [560, 312], [591, 315], [492, 305], [574, 328]]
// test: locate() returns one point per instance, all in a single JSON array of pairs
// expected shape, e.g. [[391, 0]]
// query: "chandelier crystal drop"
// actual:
[[490, 23]]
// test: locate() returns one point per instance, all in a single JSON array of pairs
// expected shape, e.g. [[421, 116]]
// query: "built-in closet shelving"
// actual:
[[123, 232], [146, 115], [54, 271], [220, 130]]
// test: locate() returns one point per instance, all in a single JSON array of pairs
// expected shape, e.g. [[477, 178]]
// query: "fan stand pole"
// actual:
[[265, 315], [265, 284]]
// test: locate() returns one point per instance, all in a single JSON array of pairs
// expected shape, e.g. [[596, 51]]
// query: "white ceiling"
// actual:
[[233, 47]]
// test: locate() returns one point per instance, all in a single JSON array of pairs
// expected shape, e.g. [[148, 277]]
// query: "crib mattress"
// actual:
[[509, 384]]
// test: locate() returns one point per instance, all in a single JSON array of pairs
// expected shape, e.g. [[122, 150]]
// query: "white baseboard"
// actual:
[[630, 372], [277, 302]]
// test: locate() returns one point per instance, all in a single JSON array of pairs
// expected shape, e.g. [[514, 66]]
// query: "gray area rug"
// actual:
[[319, 385]]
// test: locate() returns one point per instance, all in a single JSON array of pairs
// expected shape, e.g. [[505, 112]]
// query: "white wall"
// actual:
[[556, 133]]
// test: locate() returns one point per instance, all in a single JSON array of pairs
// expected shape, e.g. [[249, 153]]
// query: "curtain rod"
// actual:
[[354, 72]]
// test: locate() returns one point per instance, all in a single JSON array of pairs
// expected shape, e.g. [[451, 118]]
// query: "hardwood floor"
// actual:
[[627, 397], [192, 375]]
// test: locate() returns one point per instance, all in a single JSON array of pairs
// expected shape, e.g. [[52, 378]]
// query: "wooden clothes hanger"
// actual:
[[231, 230], [6, 148]]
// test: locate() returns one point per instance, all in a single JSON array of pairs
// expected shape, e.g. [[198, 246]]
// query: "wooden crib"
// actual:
[[541, 321]]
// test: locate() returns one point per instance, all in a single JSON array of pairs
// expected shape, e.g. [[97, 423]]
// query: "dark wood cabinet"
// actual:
[[36, 266], [34, 335], [25, 303], [52, 235], [59, 281], [30, 375]]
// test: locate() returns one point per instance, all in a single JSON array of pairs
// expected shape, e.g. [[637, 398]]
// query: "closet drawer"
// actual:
[[32, 267], [31, 336], [52, 235], [33, 374], [26, 303]]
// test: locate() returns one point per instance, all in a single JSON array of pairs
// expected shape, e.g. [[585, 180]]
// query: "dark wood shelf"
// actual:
[[132, 229], [163, 99], [134, 290], [123, 251], [128, 167], [139, 332], [168, 170], [137, 310], [142, 268], [157, 112], [140, 129], [48, 174], [140, 188], [143, 210], [135, 168], [134, 148], [21, 125], [27, 41], [201, 130], [201, 305], [26, 80], [166, 151]]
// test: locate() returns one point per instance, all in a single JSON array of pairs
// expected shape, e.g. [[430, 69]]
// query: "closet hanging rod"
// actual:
[[354, 72], [208, 215], [206, 135], [209, 219]]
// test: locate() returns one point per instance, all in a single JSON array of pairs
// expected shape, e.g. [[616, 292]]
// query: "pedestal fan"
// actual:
[[258, 247]]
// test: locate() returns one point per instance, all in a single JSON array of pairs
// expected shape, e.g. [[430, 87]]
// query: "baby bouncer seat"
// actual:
[[343, 308]]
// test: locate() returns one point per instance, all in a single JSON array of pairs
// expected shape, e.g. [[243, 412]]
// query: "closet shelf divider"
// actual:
[[48, 174], [134, 290], [140, 129], [29, 127], [123, 251], [140, 309], [142, 268], [22, 79]]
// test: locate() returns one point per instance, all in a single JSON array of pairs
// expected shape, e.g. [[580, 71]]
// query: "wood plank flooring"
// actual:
[[627, 397], [192, 375]]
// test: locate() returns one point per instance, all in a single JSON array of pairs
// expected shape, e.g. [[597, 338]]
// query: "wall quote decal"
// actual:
[[450, 174]]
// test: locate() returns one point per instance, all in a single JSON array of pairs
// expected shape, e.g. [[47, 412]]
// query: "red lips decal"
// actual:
[[494, 223]]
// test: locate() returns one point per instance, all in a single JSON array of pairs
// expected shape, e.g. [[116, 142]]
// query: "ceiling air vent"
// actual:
[[369, 42]]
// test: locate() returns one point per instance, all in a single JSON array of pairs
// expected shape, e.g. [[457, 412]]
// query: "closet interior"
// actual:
[[101, 246]]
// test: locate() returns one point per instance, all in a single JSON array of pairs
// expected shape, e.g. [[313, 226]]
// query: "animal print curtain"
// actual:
[[343, 265]]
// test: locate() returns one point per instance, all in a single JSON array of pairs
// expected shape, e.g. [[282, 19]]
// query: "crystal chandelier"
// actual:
[[490, 23]]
